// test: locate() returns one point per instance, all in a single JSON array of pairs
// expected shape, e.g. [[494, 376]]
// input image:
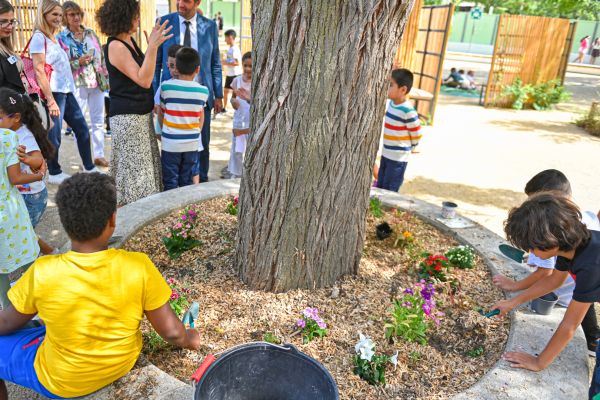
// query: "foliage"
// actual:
[[269, 337], [571, 9], [546, 94], [401, 227], [375, 206], [475, 352], [461, 257], [155, 343], [178, 298], [542, 95], [232, 205], [434, 267], [179, 238], [517, 92], [413, 314], [414, 356], [590, 121], [369, 365], [312, 324]]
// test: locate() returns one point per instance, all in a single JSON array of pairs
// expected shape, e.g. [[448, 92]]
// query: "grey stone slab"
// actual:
[[566, 378]]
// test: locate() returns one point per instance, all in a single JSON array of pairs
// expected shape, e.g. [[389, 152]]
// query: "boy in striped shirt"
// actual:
[[182, 104], [401, 134]]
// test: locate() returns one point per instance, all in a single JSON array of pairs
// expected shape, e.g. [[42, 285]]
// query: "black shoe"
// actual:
[[592, 347], [68, 131]]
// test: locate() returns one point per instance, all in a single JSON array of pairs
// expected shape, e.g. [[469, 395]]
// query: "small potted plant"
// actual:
[[370, 365]]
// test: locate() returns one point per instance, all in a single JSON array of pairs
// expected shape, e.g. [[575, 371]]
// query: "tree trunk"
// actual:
[[321, 70]]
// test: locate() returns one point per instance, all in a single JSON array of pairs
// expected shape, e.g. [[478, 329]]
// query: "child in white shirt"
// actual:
[[241, 119]]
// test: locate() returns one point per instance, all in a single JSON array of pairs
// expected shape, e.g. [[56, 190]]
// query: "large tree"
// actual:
[[321, 70]]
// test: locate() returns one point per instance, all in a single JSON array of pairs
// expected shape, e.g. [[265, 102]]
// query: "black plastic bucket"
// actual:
[[543, 305], [266, 372]]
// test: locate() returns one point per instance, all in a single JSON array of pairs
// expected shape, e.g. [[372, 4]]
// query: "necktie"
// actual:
[[187, 37]]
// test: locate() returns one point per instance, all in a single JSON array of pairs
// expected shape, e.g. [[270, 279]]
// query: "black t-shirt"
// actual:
[[585, 266]]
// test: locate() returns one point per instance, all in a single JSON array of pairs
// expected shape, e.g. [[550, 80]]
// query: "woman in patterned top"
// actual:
[[89, 72]]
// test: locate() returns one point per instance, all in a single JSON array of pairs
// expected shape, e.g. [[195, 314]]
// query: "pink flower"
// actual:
[[174, 296], [170, 280], [169, 235]]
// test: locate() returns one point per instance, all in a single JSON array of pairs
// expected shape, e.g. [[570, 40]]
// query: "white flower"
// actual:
[[364, 342], [394, 360], [366, 353]]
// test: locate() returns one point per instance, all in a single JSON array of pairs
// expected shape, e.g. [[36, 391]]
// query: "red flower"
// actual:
[[430, 273], [438, 268]]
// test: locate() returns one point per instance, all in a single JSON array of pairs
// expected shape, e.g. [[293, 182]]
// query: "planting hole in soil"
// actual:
[[444, 350]]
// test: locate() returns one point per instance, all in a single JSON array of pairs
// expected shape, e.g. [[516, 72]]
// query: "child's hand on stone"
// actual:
[[520, 359], [504, 282]]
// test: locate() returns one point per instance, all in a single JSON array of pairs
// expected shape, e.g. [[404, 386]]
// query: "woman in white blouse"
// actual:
[[61, 101]]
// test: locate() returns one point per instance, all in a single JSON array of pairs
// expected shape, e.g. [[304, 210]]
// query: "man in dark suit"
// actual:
[[196, 31]]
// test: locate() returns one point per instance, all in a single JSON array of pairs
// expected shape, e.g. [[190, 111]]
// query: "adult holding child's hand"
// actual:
[[135, 158]]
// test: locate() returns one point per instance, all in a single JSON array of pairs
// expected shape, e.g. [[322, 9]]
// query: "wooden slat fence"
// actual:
[[422, 51], [564, 61], [25, 11], [530, 48], [246, 26], [407, 51]]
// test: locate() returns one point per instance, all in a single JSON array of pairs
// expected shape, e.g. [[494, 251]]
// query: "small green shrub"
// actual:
[[517, 92], [375, 206], [370, 366], [461, 257], [590, 121], [541, 95], [269, 337], [475, 352], [154, 343]]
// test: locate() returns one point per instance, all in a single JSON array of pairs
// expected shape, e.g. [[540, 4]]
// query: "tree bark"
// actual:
[[321, 70]]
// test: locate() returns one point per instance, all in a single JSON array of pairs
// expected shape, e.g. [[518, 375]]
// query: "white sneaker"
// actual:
[[57, 179], [234, 176], [95, 169]]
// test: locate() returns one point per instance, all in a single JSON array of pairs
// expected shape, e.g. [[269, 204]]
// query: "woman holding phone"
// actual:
[[89, 71]]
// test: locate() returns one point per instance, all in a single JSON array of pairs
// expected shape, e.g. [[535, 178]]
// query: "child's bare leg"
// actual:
[[225, 97], [3, 391], [196, 179], [376, 171], [45, 248]]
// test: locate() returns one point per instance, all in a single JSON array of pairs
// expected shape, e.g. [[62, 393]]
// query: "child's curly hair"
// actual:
[[545, 221], [116, 16], [86, 202]]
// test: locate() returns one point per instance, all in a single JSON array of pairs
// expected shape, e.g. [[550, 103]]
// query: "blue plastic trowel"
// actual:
[[192, 314]]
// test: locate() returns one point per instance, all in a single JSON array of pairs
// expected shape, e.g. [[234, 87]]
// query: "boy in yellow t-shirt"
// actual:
[[92, 300]]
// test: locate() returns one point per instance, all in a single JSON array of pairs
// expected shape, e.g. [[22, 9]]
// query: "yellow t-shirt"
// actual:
[[92, 305]]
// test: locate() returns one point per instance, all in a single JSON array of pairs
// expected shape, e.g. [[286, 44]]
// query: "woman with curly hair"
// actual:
[[135, 158]]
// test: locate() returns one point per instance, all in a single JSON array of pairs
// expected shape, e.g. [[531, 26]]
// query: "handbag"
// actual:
[[29, 71], [100, 78]]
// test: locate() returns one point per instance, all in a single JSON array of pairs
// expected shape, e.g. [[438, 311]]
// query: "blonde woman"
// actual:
[[89, 71], [11, 65], [59, 92]]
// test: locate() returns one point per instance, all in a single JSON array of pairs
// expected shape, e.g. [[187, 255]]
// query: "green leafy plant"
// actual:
[[312, 324], [517, 92], [154, 343], [461, 257], [178, 299], [179, 238], [370, 366], [269, 337], [541, 95], [475, 352], [434, 268], [415, 356], [375, 206], [232, 205], [413, 314], [544, 95]]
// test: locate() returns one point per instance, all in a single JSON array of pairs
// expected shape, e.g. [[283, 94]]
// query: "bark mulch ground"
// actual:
[[231, 313]]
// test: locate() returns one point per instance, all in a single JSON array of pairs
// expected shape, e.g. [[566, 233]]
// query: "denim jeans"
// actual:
[[595, 386], [178, 168], [204, 156], [71, 113], [391, 174]]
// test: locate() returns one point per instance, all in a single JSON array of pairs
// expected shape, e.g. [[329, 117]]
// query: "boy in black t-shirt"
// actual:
[[549, 226]]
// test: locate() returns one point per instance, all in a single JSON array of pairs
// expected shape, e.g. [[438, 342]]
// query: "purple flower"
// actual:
[[409, 291], [302, 323]]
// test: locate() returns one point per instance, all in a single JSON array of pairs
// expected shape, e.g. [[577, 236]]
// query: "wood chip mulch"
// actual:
[[361, 305]]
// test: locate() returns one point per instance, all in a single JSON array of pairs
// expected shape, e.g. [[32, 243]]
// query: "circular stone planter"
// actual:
[[566, 378]]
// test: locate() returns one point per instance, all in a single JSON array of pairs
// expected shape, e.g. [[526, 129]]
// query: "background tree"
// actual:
[[321, 70]]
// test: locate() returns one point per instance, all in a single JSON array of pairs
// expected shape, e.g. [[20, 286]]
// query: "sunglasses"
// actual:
[[8, 116], [73, 15]]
